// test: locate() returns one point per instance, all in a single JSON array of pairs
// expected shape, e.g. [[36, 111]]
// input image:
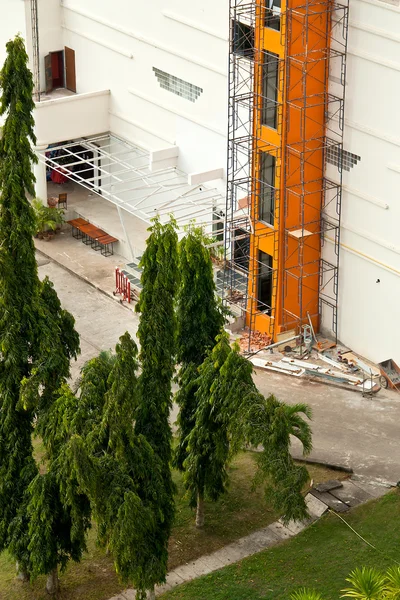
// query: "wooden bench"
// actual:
[[107, 245], [92, 235], [76, 225]]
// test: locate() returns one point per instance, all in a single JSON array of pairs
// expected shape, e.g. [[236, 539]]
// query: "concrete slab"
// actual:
[[162, 589], [330, 501], [174, 579], [351, 494], [234, 552], [264, 538], [376, 490], [129, 594], [200, 567], [282, 532], [297, 526], [316, 507], [186, 572], [327, 486], [212, 562]]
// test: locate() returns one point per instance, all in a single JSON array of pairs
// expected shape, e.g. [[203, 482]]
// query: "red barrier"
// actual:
[[122, 285]]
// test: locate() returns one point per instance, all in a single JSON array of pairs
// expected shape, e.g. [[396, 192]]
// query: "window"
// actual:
[[266, 205], [243, 39], [270, 90], [265, 282], [273, 14], [177, 86], [218, 225], [241, 249]]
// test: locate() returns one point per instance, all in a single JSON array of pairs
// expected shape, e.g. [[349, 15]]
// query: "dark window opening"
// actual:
[[241, 249], [218, 225], [243, 39], [266, 209], [265, 282], [270, 90], [273, 14]]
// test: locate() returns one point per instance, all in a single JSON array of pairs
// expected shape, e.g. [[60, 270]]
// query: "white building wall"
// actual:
[[12, 21], [118, 43], [369, 273]]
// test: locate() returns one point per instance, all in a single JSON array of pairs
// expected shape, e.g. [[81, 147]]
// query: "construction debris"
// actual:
[[257, 341], [235, 296]]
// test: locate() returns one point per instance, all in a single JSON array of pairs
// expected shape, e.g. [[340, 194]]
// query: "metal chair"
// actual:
[[62, 200]]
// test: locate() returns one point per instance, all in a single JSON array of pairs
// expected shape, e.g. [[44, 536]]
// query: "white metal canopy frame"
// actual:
[[120, 172]]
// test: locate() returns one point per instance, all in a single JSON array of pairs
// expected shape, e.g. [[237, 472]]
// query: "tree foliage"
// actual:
[[157, 336], [37, 340], [118, 470], [230, 413], [19, 296], [200, 318]]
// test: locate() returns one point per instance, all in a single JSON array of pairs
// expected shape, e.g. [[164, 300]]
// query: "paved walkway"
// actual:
[[349, 493]]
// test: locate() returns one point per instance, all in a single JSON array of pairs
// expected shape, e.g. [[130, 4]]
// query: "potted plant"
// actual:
[[46, 219]]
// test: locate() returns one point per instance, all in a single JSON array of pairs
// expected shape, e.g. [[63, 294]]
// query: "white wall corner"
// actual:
[[164, 158], [162, 164], [203, 177], [157, 155]]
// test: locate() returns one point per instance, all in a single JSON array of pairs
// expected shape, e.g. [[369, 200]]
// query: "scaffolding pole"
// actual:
[[35, 50]]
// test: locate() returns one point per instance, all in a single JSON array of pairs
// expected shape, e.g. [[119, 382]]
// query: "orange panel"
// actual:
[[298, 145]]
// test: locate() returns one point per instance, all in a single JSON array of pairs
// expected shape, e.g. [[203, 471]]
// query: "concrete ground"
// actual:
[[348, 429]]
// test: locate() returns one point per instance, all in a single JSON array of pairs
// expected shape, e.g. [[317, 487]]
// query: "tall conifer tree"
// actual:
[[157, 335], [37, 338], [200, 319], [19, 297]]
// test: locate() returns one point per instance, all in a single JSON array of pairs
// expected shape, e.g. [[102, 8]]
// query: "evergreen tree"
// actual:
[[231, 413], [200, 319], [121, 473], [57, 525], [157, 335], [19, 298], [216, 435], [37, 338]]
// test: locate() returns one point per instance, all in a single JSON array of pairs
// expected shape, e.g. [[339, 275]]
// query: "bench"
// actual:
[[76, 225], [93, 236], [107, 245]]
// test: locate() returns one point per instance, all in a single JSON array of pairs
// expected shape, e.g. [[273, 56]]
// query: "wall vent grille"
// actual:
[[177, 86]]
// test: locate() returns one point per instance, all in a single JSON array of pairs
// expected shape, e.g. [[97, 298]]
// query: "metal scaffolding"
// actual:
[[35, 50], [321, 64], [302, 156], [243, 184]]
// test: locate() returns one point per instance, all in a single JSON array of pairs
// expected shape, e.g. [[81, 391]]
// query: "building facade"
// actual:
[[304, 146], [290, 106]]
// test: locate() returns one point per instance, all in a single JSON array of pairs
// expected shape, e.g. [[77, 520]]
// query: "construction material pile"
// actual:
[[258, 341]]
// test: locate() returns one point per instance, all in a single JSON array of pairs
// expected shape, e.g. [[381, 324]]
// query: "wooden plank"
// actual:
[[333, 503]]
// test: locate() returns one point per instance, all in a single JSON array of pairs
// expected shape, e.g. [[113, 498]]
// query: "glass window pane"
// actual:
[[270, 90], [273, 14], [265, 282], [267, 188]]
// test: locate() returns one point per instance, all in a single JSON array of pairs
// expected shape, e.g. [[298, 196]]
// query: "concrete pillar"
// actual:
[[40, 174]]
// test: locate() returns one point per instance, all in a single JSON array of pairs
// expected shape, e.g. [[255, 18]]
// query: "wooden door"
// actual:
[[48, 73], [70, 77]]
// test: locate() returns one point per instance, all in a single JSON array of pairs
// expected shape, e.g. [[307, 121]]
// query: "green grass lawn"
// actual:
[[320, 558], [238, 513]]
